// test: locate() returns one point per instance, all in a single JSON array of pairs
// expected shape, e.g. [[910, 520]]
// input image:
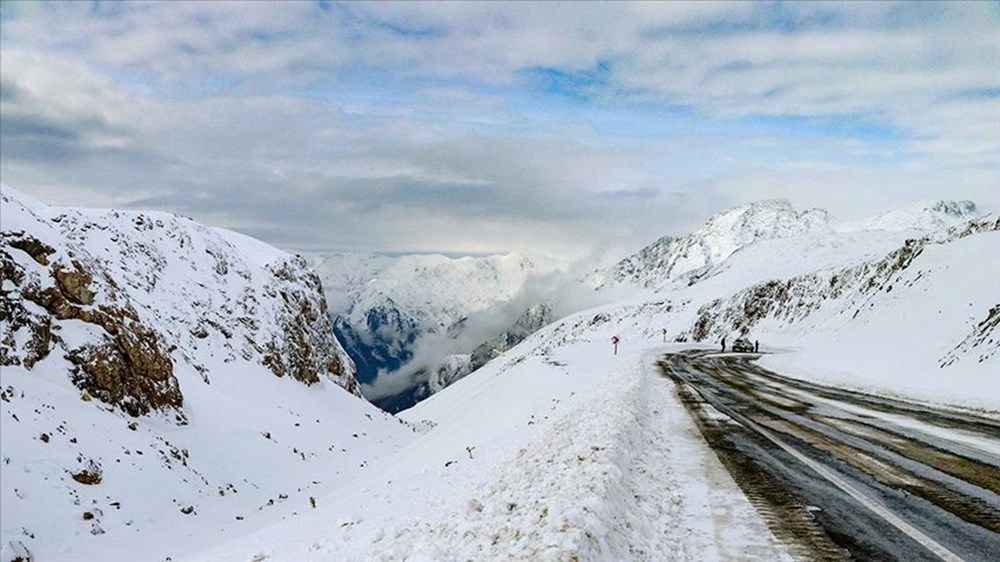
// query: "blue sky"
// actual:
[[490, 127]]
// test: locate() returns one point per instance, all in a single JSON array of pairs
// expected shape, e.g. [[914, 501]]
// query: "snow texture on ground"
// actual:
[[560, 450]]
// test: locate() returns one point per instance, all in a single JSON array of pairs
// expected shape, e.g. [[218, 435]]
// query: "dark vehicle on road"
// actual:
[[743, 345]]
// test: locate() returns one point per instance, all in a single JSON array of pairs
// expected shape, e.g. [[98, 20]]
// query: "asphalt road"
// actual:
[[840, 475]]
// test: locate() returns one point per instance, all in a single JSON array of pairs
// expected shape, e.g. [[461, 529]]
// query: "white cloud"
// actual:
[[417, 126]]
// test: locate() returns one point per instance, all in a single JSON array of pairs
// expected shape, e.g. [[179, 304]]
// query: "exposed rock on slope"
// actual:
[[125, 295], [304, 347], [163, 386], [983, 342], [793, 299], [48, 301]]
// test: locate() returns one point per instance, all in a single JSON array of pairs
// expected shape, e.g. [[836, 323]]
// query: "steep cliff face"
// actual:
[[124, 296], [304, 346]]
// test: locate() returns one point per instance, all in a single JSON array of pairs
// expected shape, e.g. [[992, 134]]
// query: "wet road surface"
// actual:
[[840, 475]]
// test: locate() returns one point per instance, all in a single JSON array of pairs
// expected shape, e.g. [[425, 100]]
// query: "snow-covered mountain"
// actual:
[[725, 233], [926, 216], [545, 452], [172, 284], [800, 279], [163, 384], [387, 304], [435, 290], [898, 295], [875, 303], [720, 236]]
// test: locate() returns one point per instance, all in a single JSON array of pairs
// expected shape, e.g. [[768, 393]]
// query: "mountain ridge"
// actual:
[[726, 232], [716, 239]]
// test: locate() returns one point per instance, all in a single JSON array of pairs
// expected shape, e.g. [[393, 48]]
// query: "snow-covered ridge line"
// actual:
[[724, 233], [926, 216], [720, 236]]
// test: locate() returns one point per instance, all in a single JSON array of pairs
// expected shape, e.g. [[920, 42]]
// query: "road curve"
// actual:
[[840, 475]]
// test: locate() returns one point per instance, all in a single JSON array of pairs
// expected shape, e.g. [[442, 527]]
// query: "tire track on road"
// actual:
[[931, 494]]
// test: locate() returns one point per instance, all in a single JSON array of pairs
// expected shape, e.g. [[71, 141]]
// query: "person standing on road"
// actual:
[[756, 346], [723, 344]]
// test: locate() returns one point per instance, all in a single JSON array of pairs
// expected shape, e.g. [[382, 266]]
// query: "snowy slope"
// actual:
[[915, 317], [557, 450], [720, 236], [926, 216], [163, 386]]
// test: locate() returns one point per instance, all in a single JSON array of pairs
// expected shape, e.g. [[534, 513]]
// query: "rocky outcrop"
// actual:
[[124, 298], [305, 346], [983, 342], [122, 362]]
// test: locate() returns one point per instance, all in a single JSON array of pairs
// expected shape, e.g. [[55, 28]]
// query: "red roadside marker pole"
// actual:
[[614, 341]]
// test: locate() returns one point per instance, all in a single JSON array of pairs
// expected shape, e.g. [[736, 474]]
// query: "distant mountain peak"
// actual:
[[962, 208], [722, 234], [924, 215]]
